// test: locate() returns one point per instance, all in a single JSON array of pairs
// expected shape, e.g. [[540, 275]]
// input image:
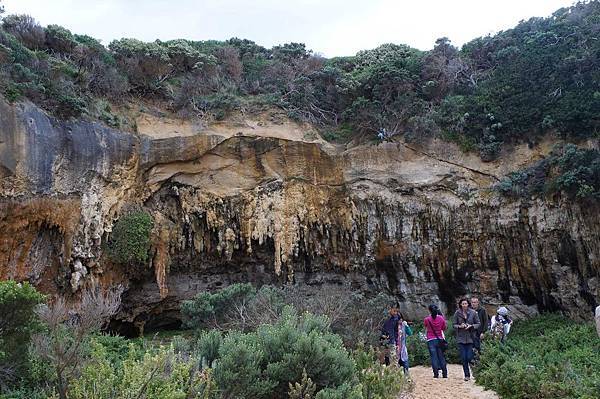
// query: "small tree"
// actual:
[[25, 29], [63, 344]]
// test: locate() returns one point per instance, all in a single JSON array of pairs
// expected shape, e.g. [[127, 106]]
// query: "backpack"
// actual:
[[498, 330]]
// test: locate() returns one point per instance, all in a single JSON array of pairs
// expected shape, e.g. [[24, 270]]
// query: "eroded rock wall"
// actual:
[[420, 223]]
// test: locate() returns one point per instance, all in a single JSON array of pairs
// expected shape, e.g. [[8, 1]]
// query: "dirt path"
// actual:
[[427, 387]]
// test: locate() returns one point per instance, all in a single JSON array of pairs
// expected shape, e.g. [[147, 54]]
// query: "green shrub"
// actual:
[[304, 389], [341, 134], [208, 346], [159, 374], [18, 321], [211, 309], [378, 381], [547, 357], [344, 391], [130, 238], [262, 364], [570, 170], [464, 142], [219, 105]]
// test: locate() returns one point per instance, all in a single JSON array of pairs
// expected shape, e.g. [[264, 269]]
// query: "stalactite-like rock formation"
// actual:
[[421, 223]]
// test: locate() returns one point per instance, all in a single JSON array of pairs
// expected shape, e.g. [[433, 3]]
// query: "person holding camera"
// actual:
[[466, 323]]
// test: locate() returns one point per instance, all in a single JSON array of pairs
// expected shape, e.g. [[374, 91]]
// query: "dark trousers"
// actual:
[[438, 359], [404, 365], [477, 342], [466, 355]]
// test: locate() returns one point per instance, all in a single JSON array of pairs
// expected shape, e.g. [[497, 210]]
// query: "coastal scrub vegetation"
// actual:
[[568, 169], [547, 357], [243, 342], [542, 76]]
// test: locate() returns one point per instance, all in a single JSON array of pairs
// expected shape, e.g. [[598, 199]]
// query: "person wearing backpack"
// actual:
[[501, 324], [466, 323], [435, 324]]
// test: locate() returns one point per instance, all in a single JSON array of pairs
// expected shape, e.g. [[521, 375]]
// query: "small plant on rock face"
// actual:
[[130, 239]]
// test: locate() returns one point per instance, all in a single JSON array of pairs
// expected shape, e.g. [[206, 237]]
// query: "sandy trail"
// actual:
[[427, 387]]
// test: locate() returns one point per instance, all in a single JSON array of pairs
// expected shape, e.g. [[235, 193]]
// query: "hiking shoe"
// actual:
[[467, 378]]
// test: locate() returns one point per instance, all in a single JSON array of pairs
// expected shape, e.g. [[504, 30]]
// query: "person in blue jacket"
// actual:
[[390, 328]]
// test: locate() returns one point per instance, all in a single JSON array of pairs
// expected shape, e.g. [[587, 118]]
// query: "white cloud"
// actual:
[[331, 27]]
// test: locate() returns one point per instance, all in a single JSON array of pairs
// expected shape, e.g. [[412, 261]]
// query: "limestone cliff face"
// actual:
[[267, 207]]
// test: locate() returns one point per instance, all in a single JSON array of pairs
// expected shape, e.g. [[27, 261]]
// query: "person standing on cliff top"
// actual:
[[483, 326]]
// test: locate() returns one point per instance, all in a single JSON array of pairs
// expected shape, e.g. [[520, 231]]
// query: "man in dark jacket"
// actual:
[[483, 326], [390, 331]]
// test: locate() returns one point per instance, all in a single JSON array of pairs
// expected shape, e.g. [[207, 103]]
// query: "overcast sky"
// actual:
[[329, 27]]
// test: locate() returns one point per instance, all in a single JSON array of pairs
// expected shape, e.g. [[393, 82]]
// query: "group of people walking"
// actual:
[[470, 323]]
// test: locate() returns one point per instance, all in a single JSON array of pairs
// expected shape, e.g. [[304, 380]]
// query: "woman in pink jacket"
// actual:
[[435, 324]]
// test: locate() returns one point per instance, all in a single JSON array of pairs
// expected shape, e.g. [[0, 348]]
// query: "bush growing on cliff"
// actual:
[[130, 239], [570, 170], [539, 77], [547, 357], [18, 321]]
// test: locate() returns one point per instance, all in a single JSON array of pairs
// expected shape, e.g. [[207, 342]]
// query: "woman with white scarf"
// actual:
[[401, 351]]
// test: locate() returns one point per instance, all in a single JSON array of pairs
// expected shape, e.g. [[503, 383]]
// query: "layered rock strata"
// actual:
[[420, 223]]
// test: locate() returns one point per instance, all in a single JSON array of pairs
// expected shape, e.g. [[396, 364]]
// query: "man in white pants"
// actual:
[[598, 320]]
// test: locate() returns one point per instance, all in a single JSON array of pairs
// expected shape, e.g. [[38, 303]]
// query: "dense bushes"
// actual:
[[130, 238], [158, 374], [547, 357], [278, 352], [262, 363], [241, 307], [292, 355], [541, 76]]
